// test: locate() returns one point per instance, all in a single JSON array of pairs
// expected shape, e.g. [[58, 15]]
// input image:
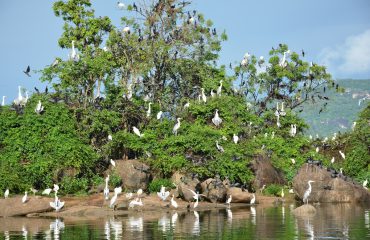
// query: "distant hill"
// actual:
[[341, 111]]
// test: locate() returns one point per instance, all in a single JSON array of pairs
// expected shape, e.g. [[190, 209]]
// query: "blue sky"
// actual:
[[332, 32]]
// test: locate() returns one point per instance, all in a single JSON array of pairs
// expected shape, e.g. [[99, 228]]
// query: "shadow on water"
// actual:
[[334, 221]]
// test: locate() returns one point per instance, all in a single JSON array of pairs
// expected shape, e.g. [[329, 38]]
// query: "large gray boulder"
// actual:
[[239, 196], [327, 188], [134, 174], [265, 173], [214, 190], [14, 207], [184, 182]]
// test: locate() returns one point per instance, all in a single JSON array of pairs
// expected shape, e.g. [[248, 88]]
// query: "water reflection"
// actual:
[[336, 221]]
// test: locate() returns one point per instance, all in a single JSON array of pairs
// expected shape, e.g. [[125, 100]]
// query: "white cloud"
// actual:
[[351, 57]]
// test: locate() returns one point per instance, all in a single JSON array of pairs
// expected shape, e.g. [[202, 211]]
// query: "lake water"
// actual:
[[332, 221]]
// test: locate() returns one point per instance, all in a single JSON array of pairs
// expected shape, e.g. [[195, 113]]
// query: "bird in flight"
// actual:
[[27, 72]]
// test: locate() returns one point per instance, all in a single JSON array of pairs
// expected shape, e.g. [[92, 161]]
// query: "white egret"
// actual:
[[6, 193], [173, 202], [353, 124], [187, 105], [176, 127], [283, 62], [159, 115], [332, 160], [113, 200], [317, 149], [293, 130], [212, 93], [191, 20], [282, 193], [196, 195], [228, 201], [129, 195], [277, 112], [216, 119], [3, 102], [137, 131], [106, 189], [219, 89], [24, 198], [139, 192], [261, 61], [39, 108], [278, 124], [34, 191], [57, 204], [120, 5], [56, 188], [253, 200], [235, 138], [73, 55], [135, 202], [219, 147], [291, 191], [244, 62], [364, 184], [307, 192], [282, 111], [203, 95], [118, 190], [149, 112], [342, 154], [20, 99], [163, 194], [292, 160], [126, 30], [47, 191], [263, 187], [112, 162], [110, 138]]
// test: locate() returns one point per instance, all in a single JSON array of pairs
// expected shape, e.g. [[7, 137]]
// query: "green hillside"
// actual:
[[341, 111]]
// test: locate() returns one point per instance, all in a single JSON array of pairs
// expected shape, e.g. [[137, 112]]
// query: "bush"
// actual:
[[75, 186], [155, 185], [273, 190]]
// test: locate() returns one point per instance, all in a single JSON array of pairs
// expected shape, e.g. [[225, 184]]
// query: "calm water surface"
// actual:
[[332, 221]]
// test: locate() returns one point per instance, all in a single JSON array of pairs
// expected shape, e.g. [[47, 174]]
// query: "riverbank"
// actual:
[[94, 206]]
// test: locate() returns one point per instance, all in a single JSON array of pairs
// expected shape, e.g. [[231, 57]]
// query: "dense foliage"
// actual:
[[118, 78]]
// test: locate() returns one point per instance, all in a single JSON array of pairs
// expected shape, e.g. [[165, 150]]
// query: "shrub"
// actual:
[[155, 185]]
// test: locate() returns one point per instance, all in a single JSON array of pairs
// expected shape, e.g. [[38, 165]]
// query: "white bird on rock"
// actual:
[[364, 184], [110, 138], [6, 193], [173, 202], [149, 112], [24, 198], [47, 191], [137, 131], [57, 204], [176, 127], [112, 162], [228, 201], [163, 194], [56, 188], [106, 189], [332, 160], [308, 191], [216, 119], [253, 200]]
